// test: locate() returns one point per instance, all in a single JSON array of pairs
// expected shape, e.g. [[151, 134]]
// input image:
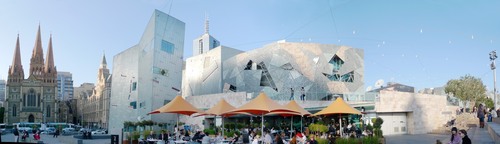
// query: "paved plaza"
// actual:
[[477, 135], [48, 139]]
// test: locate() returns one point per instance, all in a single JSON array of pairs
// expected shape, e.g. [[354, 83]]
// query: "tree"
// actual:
[[468, 89]]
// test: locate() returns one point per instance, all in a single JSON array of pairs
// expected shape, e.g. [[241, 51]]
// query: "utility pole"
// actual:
[[493, 56]]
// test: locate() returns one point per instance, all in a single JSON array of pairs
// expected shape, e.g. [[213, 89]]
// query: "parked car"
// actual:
[[98, 132], [83, 130], [49, 131], [68, 130]]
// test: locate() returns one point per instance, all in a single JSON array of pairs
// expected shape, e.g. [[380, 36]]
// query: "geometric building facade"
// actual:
[[32, 99], [148, 75], [279, 69]]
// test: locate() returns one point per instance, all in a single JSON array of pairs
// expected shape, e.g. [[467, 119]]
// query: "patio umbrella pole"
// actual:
[[222, 126], [262, 125], [291, 127], [340, 120], [301, 127]]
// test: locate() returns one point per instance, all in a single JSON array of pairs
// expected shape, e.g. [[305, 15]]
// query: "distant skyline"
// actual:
[[417, 43]]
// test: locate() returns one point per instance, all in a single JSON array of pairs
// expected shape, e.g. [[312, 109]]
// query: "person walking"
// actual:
[[480, 115], [291, 93], [303, 95], [465, 138]]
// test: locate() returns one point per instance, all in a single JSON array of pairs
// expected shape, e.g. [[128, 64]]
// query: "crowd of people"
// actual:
[[25, 136]]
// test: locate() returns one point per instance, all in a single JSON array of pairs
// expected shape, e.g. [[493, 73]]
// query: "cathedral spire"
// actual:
[[16, 66], [49, 64], [103, 61], [36, 63], [37, 50]]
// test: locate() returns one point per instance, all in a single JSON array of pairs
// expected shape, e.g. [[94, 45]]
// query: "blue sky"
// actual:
[[420, 43]]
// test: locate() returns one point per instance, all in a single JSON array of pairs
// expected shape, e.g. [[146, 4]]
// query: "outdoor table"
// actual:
[[181, 141], [153, 140]]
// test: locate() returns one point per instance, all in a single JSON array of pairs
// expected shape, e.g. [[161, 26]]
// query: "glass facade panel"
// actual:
[[167, 47]]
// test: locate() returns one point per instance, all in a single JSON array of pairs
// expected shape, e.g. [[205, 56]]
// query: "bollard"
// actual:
[[80, 141]]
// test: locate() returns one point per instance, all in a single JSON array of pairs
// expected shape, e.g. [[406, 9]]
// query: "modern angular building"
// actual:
[[205, 42], [64, 85], [320, 71], [148, 75], [32, 99]]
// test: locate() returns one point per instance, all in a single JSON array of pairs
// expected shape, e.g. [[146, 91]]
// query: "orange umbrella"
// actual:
[[222, 109], [293, 106], [179, 106], [339, 106], [261, 105]]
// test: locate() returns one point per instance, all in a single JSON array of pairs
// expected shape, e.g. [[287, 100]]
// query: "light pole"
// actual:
[[493, 56]]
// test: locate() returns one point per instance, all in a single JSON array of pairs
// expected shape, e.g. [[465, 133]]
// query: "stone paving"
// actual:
[[476, 134], [48, 139]]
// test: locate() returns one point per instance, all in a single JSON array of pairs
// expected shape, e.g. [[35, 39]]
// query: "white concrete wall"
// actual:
[[425, 112]]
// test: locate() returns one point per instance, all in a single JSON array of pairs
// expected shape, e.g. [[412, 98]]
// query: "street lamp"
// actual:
[[493, 56]]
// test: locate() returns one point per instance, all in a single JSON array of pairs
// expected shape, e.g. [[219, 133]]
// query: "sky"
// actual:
[[421, 43]]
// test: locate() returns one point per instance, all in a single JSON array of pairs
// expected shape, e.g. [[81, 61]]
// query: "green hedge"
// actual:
[[209, 131], [364, 140]]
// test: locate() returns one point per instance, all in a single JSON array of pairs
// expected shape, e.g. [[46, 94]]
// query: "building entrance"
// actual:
[[31, 118]]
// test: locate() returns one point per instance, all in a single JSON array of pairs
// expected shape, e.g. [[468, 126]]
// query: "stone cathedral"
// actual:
[[32, 99]]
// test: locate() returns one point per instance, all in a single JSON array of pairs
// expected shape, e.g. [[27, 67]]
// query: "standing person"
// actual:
[[498, 112], [16, 135], [480, 115], [303, 96], [490, 116], [176, 132], [455, 137], [465, 138], [164, 136], [494, 113], [291, 93]]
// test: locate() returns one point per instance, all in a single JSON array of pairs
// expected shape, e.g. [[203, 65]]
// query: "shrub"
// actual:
[[145, 133], [348, 141], [370, 140], [378, 132], [322, 141], [136, 135], [318, 128], [209, 131], [377, 124], [369, 127]]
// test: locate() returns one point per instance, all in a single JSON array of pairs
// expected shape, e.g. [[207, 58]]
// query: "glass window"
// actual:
[[167, 47], [133, 105], [48, 111], [134, 86], [336, 62], [160, 71], [14, 110]]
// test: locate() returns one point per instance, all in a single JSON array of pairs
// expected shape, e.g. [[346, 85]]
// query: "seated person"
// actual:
[[150, 137], [235, 139]]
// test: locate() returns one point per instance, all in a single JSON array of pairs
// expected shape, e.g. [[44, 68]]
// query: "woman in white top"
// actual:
[[256, 140]]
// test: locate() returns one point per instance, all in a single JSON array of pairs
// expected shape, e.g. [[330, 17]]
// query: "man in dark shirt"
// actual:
[[16, 135]]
